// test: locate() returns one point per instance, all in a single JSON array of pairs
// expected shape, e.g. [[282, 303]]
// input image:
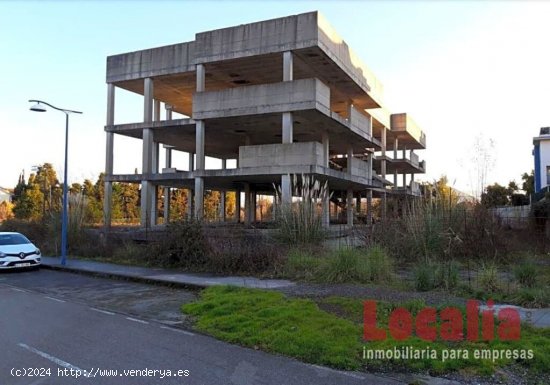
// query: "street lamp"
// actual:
[[40, 107]]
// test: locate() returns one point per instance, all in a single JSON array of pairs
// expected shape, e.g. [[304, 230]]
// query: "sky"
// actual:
[[466, 71]]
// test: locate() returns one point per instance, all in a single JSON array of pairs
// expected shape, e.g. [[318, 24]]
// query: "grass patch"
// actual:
[[344, 265], [269, 321], [299, 328]]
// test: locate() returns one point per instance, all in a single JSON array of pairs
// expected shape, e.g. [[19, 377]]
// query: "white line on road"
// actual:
[[51, 358], [54, 299], [343, 373], [178, 331], [102, 311], [137, 320], [22, 291]]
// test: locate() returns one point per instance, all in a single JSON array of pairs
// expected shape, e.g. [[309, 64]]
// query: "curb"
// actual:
[[125, 277]]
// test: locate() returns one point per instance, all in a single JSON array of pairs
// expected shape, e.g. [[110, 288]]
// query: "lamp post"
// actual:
[[39, 107]]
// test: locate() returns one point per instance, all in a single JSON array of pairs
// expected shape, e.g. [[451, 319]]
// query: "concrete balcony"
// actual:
[[407, 132], [360, 123], [409, 163], [288, 154], [298, 95]]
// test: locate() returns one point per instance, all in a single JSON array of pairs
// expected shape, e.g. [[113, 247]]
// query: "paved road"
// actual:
[[48, 321]]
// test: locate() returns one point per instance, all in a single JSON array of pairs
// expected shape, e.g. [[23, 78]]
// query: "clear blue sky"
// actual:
[[462, 69]]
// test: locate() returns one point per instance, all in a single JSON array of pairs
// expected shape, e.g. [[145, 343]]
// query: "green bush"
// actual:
[[447, 275], [526, 274], [302, 264], [424, 277], [344, 266], [379, 265], [532, 297], [487, 277]]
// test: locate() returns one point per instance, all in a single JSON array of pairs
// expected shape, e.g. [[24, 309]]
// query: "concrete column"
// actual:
[[247, 204], [200, 77], [349, 157], [395, 177], [288, 75], [288, 67], [369, 167], [191, 161], [200, 166], [326, 154], [369, 207], [148, 100], [222, 195], [404, 180], [154, 201], [288, 127], [199, 198], [412, 177], [168, 111], [110, 137], [358, 202], [286, 190], [395, 145], [156, 110], [190, 204], [253, 199], [349, 207], [404, 152], [383, 162], [199, 144], [325, 219], [146, 186], [147, 154], [167, 190], [238, 206]]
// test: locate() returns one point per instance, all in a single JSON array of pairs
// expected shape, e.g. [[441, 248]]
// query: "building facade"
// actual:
[[276, 98], [541, 154]]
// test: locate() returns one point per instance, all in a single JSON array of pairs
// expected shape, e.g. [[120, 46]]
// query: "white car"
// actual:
[[16, 251]]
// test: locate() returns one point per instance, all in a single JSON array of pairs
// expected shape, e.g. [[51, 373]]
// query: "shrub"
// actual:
[[302, 264], [379, 265], [300, 222], [447, 274], [344, 266], [532, 297], [487, 277], [424, 277], [526, 274], [183, 245]]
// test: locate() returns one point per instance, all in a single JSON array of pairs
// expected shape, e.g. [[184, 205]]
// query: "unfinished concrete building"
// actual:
[[281, 97]]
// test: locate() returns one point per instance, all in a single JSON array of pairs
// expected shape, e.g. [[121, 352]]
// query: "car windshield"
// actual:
[[13, 239]]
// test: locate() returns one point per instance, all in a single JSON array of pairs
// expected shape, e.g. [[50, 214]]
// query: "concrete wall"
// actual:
[[261, 99], [288, 154], [359, 167], [159, 61], [360, 122]]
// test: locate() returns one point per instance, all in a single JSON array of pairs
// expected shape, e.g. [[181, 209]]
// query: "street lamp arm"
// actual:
[[54, 107]]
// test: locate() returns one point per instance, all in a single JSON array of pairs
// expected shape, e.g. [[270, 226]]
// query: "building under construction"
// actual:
[[272, 99]]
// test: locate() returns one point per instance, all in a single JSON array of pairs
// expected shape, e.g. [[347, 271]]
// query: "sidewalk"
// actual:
[[536, 317], [160, 276]]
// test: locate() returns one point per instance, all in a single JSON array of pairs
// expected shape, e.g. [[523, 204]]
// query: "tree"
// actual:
[[496, 195], [528, 184]]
